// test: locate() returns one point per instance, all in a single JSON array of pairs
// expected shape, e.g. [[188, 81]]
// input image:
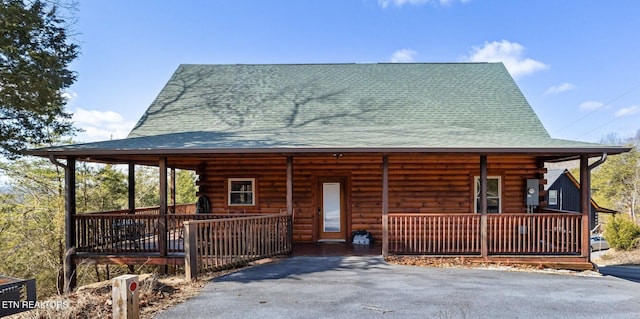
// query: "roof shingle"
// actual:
[[467, 104]]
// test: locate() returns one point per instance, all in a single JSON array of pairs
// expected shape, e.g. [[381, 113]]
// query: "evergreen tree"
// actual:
[[147, 186], [185, 187], [35, 54], [622, 233]]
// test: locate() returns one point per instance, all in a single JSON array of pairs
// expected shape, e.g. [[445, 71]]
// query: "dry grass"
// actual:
[[461, 262], [436, 262], [157, 293], [611, 257], [456, 262], [615, 257]]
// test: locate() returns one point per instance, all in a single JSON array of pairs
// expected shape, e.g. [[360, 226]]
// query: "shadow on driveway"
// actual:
[[626, 272], [295, 268]]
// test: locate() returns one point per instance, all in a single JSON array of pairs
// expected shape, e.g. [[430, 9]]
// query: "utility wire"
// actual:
[[599, 127], [595, 110], [596, 128]]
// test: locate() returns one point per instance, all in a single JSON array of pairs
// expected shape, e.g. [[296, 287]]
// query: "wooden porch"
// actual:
[[222, 240], [432, 213]]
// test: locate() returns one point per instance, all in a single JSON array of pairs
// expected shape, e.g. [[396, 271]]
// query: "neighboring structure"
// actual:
[[432, 159], [563, 193]]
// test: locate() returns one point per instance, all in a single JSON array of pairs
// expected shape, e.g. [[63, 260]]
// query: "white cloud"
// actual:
[[100, 126], [591, 106], [400, 3], [403, 56], [560, 88], [509, 53], [626, 111], [69, 95]]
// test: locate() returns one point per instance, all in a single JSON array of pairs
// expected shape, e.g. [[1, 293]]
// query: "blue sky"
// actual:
[[576, 61]]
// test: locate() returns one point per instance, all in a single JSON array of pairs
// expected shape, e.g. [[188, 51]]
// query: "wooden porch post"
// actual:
[[70, 225], [132, 188], [289, 196], [162, 222], [132, 198], [289, 184], [483, 206], [190, 250], [585, 187], [385, 206], [172, 190]]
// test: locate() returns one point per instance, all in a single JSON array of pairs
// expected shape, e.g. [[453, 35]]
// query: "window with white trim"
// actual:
[[553, 197], [494, 194], [241, 191]]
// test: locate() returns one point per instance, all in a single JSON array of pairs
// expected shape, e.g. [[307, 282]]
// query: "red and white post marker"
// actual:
[[126, 303]]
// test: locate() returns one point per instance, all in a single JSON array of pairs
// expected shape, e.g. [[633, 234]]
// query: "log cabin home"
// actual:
[[435, 159]]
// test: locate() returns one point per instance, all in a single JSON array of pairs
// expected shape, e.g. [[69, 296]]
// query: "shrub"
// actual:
[[622, 233]]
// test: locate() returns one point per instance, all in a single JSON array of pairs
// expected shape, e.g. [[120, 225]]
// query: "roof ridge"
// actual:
[[338, 63]]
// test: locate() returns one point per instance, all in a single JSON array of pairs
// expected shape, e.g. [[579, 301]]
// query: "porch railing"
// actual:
[[175, 209], [434, 233], [123, 232], [132, 233], [460, 234], [544, 233], [222, 243]]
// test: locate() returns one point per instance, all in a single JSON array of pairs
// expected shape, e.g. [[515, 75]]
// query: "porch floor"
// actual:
[[336, 249]]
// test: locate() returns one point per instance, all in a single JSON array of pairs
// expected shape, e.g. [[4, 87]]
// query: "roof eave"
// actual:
[[561, 153]]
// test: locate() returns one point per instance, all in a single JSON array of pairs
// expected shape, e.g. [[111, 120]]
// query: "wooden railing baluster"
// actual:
[[238, 240], [509, 234]]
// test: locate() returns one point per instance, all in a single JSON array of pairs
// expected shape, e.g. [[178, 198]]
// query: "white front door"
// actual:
[[332, 210]]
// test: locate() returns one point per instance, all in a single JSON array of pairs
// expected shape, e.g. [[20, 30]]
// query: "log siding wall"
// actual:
[[417, 184]]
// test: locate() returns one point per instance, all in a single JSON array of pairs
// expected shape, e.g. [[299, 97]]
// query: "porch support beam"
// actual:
[[132, 188], [289, 196], [70, 225], [585, 187], [162, 222], [132, 197], [290, 185], [69, 265], [172, 190], [385, 206], [483, 207]]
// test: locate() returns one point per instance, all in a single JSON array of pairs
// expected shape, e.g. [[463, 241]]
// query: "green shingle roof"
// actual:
[[345, 105], [354, 106]]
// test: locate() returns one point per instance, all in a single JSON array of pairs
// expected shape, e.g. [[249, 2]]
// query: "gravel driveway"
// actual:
[[367, 287]]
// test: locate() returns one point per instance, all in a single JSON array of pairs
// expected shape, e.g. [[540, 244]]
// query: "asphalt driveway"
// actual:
[[367, 287]]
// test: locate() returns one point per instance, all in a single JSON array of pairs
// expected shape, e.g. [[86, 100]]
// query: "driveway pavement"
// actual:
[[631, 273], [367, 287]]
